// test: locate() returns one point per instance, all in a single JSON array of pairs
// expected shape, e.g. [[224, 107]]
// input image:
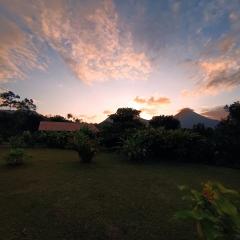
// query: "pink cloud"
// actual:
[[18, 55], [86, 38], [215, 112], [215, 75], [107, 112], [152, 100]]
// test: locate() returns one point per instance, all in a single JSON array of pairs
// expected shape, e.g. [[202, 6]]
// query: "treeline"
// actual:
[[15, 122], [164, 139], [18, 115]]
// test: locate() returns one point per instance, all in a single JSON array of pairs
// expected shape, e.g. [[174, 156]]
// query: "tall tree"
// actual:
[[12, 101], [9, 99], [228, 136], [26, 105], [234, 112], [125, 114], [124, 122]]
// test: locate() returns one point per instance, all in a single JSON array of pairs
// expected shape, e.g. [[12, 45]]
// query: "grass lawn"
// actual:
[[54, 197]]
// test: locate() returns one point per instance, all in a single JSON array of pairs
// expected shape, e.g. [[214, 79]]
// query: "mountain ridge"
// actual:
[[187, 117]]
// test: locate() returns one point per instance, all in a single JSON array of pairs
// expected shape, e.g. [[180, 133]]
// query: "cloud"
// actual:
[[107, 112], [152, 101], [87, 36], [88, 118], [215, 75], [226, 44], [150, 106], [215, 112], [18, 55], [149, 111]]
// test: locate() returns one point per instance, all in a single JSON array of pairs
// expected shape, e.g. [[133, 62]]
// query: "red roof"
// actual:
[[64, 126]]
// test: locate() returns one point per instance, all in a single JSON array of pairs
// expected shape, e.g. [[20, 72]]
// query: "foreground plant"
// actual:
[[215, 210], [16, 157], [84, 146]]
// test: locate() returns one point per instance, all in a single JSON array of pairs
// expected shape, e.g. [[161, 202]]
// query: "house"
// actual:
[[65, 126]]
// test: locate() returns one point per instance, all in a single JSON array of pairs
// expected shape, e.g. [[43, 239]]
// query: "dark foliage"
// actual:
[[14, 123], [54, 139], [180, 145], [124, 122], [15, 157], [202, 130], [168, 122], [85, 146], [57, 118], [227, 137]]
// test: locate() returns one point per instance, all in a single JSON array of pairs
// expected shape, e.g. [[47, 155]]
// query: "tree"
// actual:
[[124, 122], [168, 122], [227, 136], [9, 99], [234, 112], [69, 116], [202, 130], [26, 105], [125, 114], [57, 118]]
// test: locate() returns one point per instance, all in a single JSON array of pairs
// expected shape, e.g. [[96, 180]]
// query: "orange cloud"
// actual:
[[152, 100]]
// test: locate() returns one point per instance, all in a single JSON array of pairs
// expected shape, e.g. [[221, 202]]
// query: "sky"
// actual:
[[90, 57]]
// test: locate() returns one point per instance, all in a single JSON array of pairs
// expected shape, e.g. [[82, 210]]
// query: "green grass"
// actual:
[[54, 197]]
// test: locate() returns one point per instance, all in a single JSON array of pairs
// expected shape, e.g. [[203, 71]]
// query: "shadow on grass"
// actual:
[[8, 167]]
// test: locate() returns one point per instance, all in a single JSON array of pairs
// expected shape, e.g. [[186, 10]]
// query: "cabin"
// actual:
[[49, 126]]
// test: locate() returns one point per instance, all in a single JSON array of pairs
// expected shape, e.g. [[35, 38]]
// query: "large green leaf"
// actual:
[[226, 207]]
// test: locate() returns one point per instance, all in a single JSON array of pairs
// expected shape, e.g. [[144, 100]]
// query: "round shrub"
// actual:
[[16, 142], [84, 146], [15, 157]]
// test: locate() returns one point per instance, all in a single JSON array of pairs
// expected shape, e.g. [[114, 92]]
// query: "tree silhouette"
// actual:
[[26, 105], [9, 99], [168, 122]]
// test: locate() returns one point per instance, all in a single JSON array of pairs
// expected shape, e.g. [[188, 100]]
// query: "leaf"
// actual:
[[196, 195], [227, 207], [185, 214], [210, 231], [182, 187], [225, 190]]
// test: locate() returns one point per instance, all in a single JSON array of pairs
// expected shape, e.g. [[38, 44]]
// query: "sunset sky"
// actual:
[[89, 57]]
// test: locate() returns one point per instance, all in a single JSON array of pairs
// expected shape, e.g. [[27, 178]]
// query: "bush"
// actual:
[[84, 146], [15, 157], [16, 142], [138, 146], [227, 139], [214, 211], [160, 143], [28, 139], [53, 139]]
